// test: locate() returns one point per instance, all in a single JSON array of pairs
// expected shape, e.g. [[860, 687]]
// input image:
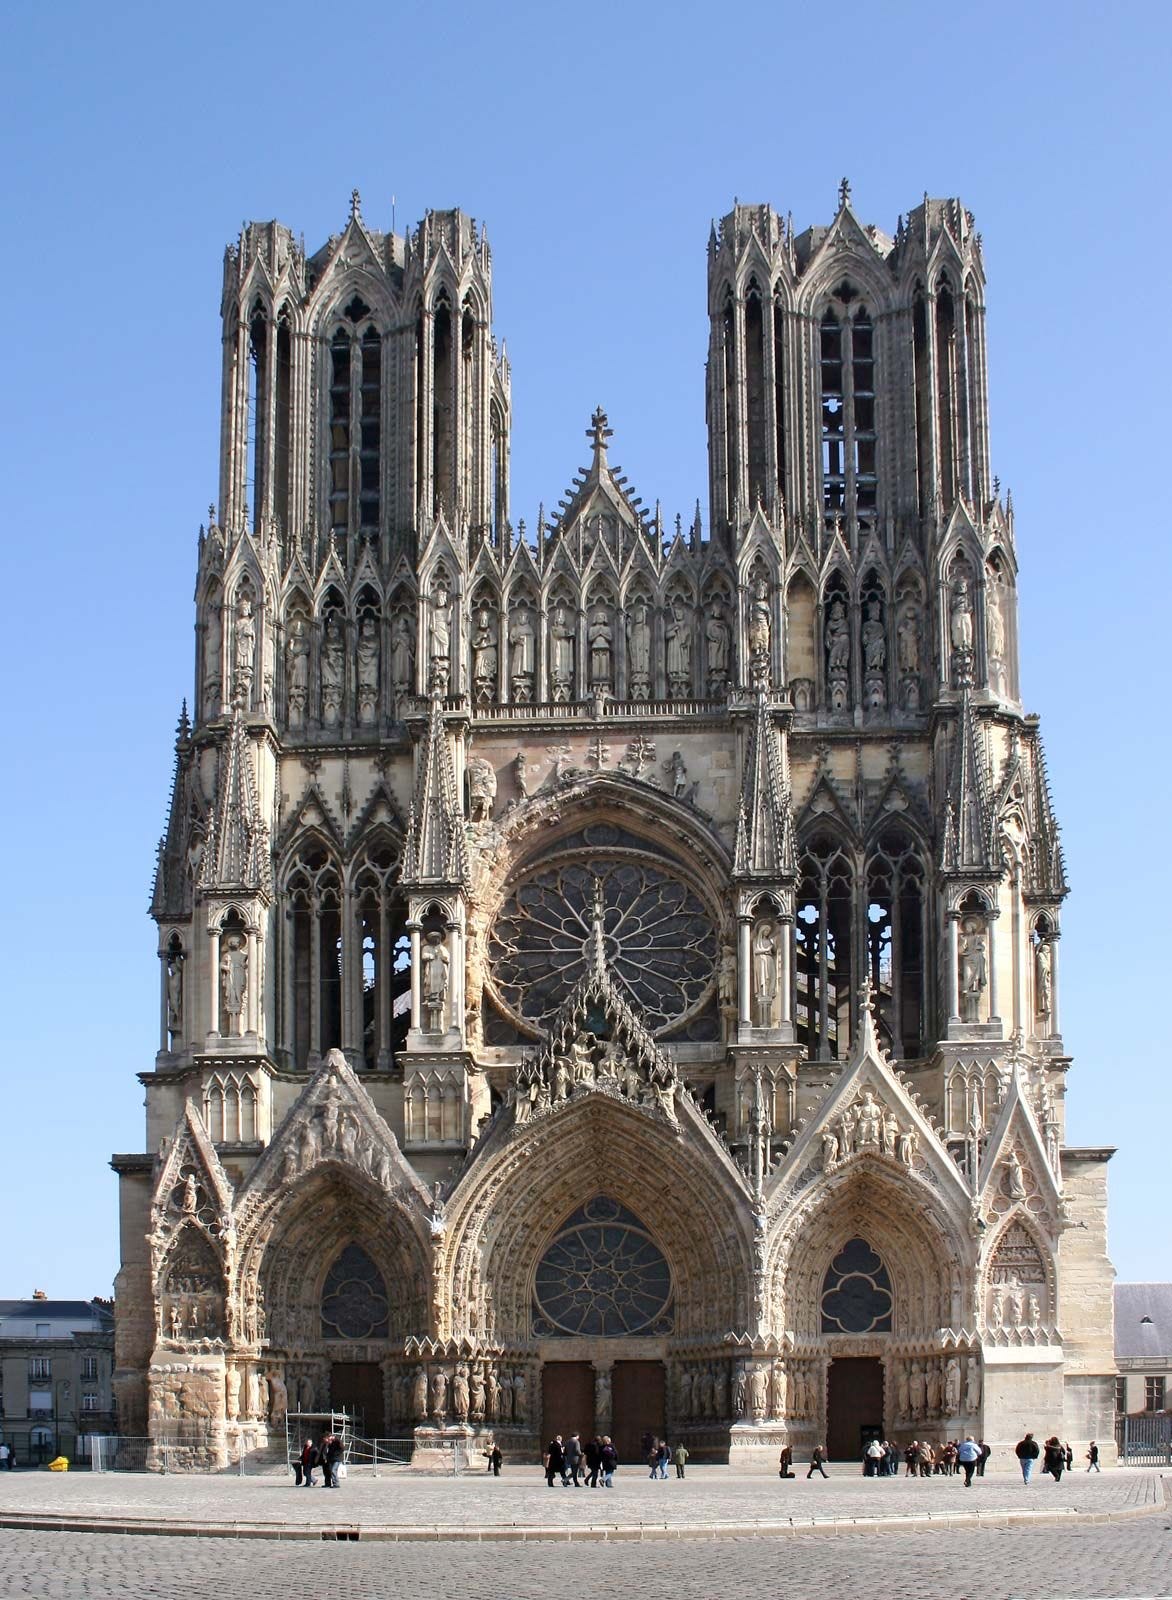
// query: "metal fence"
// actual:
[[118, 1453], [1145, 1441], [443, 1457]]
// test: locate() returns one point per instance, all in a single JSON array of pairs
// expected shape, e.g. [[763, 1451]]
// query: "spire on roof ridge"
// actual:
[[765, 829], [967, 841], [237, 854], [435, 850]]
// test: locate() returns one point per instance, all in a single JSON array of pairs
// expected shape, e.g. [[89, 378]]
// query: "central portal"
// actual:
[[638, 1406], [567, 1400], [357, 1387], [854, 1411]]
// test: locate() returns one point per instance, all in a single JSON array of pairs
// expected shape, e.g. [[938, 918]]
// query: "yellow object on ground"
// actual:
[[60, 1465]]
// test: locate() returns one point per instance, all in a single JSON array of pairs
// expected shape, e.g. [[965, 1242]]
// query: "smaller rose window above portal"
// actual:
[[602, 1275], [856, 1292]]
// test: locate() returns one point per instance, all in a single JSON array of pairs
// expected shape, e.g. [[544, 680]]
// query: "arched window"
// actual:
[[946, 391], [755, 393], [847, 357], [355, 422], [856, 1291], [603, 1275], [896, 940], [386, 954], [443, 404], [258, 381], [822, 1010], [314, 931], [354, 1303]]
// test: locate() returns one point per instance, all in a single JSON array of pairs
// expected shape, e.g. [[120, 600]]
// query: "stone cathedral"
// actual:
[[609, 967]]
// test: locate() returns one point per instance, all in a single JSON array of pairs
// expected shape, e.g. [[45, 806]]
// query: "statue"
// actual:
[[439, 1394], [175, 994], [838, 640], [908, 638], [233, 985], [764, 972], [481, 789], [520, 1405], [213, 647], [679, 774], [436, 964], [933, 1387], [582, 1057], [484, 657], [994, 621], [460, 1394], [561, 668], [870, 1118], [522, 654], [777, 1391], [232, 1393], [368, 654], [244, 652], [639, 651], [960, 632], [727, 983], [601, 648], [905, 1146], [440, 637], [718, 637], [278, 1397], [476, 1395], [333, 672], [419, 1395], [740, 1394], [952, 1386], [1042, 977], [973, 974], [829, 1148], [760, 632], [1017, 1186], [890, 1134], [903, 1402], [492, 1395], [1034, 1312], [175, 1321], [874, 639], [678, 633], [402, 654], [190, 1194], [972, 1386], [521, 774], [297, 672], [759, 1393], [997, 1308], [685, 1393]]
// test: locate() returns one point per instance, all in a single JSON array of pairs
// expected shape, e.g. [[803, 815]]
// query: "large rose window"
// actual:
[[603, 1274], [659, 939]]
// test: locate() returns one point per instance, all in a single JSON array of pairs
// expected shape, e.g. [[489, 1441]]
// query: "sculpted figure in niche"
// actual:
[[436, 967], [439, 1393], [368, 654], [522, 654], [960, 632], [492, 1395], [297, 672], [232, 1394], [601, 649], [908, 638], [973, 974], [520, 1404], [994, 621], [481, 789], [333, 672], [440, 637], [460, 1394], [764, 972], [870, 1119], [838, 640], [916, 1389], [972, 1385], [244, 653], [874, 639], [889, 1134], [561, 666], [419, 1395], [1016, 1173], [903, 1402], [727, 983], [213, 645], [1042, 977], [718, 637], [952, 1386], [759, 632], [720, 1390], [190, 1199], [476, 1395], [175, 994], [905, 1146], [484, 656], [639, 650], [933, 1387], [233, 984], [740, 1393], [829, 1148], [402, 654], [678, 631], [278, 1397]]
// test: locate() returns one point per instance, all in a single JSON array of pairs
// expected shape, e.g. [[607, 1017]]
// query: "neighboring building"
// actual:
[[1143, 1348], [609, 970], [56, 1366]]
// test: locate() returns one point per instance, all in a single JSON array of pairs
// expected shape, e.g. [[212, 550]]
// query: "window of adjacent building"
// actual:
[[39, 1368], [89, 1368], [42, 1330], [40, 1400], [847, 356], [1121, 1396], [1153, 1394], [91, 1402]]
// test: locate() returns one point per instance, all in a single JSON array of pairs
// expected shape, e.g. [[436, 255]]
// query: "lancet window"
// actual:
[[229, 1108], [824, 948], [313, 1022], [847, 356], [386, 954], [896, 941], [355, 422]]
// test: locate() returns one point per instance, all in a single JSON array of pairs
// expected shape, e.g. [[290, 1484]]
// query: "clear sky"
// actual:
[[596, 141]]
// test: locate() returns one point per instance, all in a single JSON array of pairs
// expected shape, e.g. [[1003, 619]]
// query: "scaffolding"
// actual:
[[303, 1425]]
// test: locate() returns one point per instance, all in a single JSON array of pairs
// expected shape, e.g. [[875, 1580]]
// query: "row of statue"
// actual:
[[755, 1391], [932, 1386], [255, 1394], [1012, 1305], [460, 1393], [866, 1125], [587, 1063], [333, 1130]]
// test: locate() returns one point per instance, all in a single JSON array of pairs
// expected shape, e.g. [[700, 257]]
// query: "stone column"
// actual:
[[455, 977], [383, 971], [785, 961], [288, 1026], [1055, 1028], [953, 973], [416, 985], [214, 944], [744, 973], [164, 1031], [314, 979], [250, 1021], [990, 925]]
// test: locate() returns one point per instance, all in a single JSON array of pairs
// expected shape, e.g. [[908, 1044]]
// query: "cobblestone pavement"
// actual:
[[1107, 1559], [709, 1495]]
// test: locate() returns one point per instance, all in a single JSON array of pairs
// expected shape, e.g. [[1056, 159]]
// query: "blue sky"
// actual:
[[596, 142]]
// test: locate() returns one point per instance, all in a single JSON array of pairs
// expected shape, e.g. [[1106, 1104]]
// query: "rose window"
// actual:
[[354, 1299], [856, 1292], [659, 939], [602, 1275]]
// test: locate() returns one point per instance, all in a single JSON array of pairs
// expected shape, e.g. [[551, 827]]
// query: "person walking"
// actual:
[[308, 1462], [871, 1459], [573, 1460], [609, 1461], [1069, 1453], [494, 1459], [1093, 1458], [1027, 1452], [968, 1454], [555, 1461], [680, 1457], [924, 1457], [592, 1451], [986, 1452], [1054, 1459], [817, 1459], [333, 1459], [662, 1458]]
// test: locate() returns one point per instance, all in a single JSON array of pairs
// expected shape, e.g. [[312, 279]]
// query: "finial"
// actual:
[[598, 433], [597, 913], [844, 193], [355, 206], [211, 515]]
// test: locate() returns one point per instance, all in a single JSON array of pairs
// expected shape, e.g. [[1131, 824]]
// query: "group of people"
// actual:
[[1057, 1457], [590, 1465], [658, 1454], [328, 1454]]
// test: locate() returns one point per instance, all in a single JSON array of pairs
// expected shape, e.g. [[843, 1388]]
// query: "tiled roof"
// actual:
[[1143, 1321]]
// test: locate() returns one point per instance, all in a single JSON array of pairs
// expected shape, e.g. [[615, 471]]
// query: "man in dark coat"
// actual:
[[332, 1456], [555, 1461], [1027, 1452], [308, 1461]]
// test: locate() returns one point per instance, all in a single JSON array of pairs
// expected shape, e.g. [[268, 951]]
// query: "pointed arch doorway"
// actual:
[[854, 1406]]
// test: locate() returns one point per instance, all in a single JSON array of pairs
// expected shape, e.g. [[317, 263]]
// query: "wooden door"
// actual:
[[854, 1411], [357, 1387], [567, 1400], [637, 1407]]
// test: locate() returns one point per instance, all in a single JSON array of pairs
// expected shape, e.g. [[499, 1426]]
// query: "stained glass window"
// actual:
[[856, 1292], [603, 1274], [354, 1300]]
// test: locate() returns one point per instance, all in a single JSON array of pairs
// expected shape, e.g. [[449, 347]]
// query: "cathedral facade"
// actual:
[[609, 969]]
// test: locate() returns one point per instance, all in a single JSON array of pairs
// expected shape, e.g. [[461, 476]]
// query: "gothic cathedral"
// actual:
[[609, 970]]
